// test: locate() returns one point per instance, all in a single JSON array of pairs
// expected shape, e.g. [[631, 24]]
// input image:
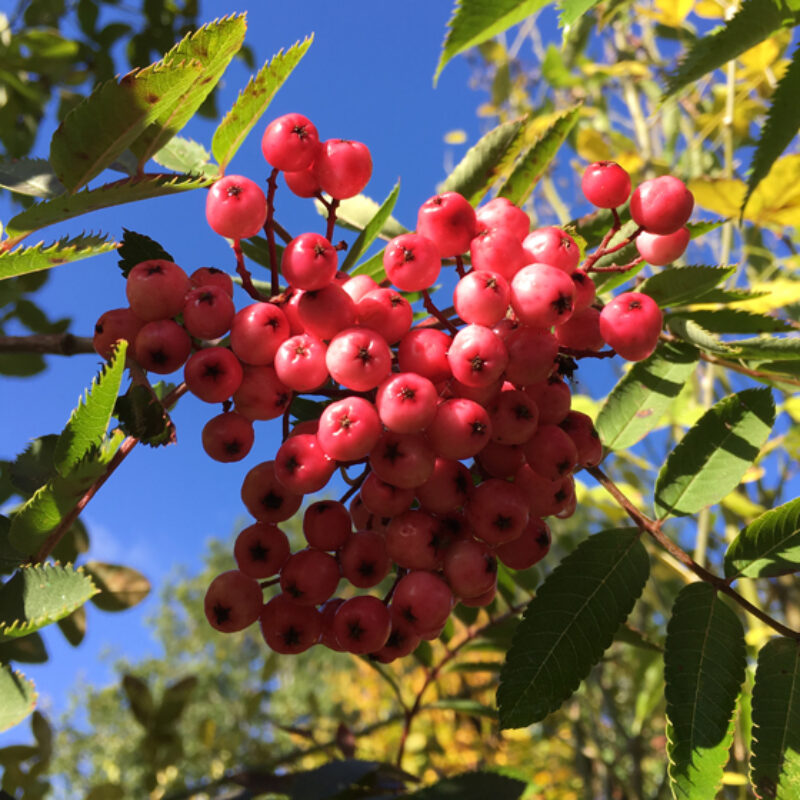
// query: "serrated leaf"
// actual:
[[473, 786], [753, 22], [476, 21], [119, 587], [36, 596], [704, 667], [769, 546], [569, 624], [186, 156], [88, 423], [143, 416], [371, 230], [712, 457], [29, 649], [734, 320], [536, 159], [697, 229], [645, 393], [81, 148], [10, 557], [729, 296], [475, 174], [34, 465], [74, 626], [128, 190], [573, 10], [688, 330], [781, 126], [17, 697], [354, 214], [253, 101], [212, 47], [763, 348], [30, 176], [135, 248], [330, 780], [775, 754], [373, 267], [679, 285], [24, 260]]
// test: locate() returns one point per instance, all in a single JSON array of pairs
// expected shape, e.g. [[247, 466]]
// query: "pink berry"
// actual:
[[448, 220], [302, 466], [265, 498], [257, 331], [303, 183], [289, 627], [606, 184], [156, 289], [213, 374], [406, 402], [236, 207], [405, 460], [233, 601], [162, 346], [349, 429], [481, 297], [358, 286], [499, 251], [424, 351], [359, 359], [661, 205], [113, 325], [326, 525], [309, 262], [228, 437], [503, 214], [343, 167], [554, 247], [261, 550], [532, 355], [300, 362], [385, 311], [362, 624], [477, 356], [581, 331], [211, 276], [542, 296], [324, 312], [208, 312], [460, 429], [585, 290], [631, 324], [290, 143], [662, 250], [412, 262], [309, 577], [261, 395]]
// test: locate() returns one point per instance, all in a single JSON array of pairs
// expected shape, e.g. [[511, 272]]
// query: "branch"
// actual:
[[653, 527], [60, 344], [269, 229]]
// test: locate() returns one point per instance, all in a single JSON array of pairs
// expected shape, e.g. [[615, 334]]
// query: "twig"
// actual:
[[653, 527], [244, 273], [269, 230], [618, 267], [60, 344], [355, 485], [330, 227], [431, 308], [460, 267]]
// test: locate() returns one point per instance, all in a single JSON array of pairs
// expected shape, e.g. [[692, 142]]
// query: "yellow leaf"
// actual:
[[734, 779], [792, 408], [762, 55], [591, 146], [723, 196], [672, 12], [710, 9], [782, 292], [455, 137]]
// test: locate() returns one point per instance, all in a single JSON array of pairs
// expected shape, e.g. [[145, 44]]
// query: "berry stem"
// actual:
[[244, 273], [329, 229], [431, 308], [285, 422], [269, 230], [620, 268], [460, 267], [653, 527], [355, 485]]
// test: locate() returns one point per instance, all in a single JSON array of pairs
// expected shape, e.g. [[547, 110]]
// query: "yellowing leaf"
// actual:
[[734, 779], [633, 69], [792, 408], [709, 9], [782, 292], [455, 137], [672, 12], [762, 55], [593, 146], [774, 204]]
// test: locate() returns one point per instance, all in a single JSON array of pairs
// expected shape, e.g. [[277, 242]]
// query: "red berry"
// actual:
[[497, 511], [261, 395], [661, 205], [162, 346], [531, 355], [236, 207], [288, 627], [208, 312], [606, 184], [477, 356], [257, 331], [265, 498], [498, 250], [447, 488], [349, 428], [554, 247], [359, 359], [448, 220], [261, 550], [422, 600], [362, 624], [662, 250], [460, 429], [303, 183], [156, 289], [542, 296], [631, 324], [470, 568], [503, 214], [529, 548], [325, 312], [290, 143], [424, 351], [364, 559], [326, 525], [405, 460], [386, 312], [406, 402], [581, 331], [213, 374], [481, 297], [300, 362], [412, 262], [228, 437], [310, 576], [233, 601], [309, 262], [343, 167], [302, 466], [211, 276], [113, 325], [383, 499]]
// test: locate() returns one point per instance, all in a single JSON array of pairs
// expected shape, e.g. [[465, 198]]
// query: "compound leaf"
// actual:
[[475, 21], [24, 260], [640, 399], [768, 546], [128, 190], [253, 101], [88, 423], [763, 348], [775, 754], [704, 666], [37, 595], [535, 160], [31, 176], [679, 285], [212, 47], [712, 457], [570, 623], [113, 116], [17, 697], [475, 174], [371, 230], [755, 21], [694, 333], [119, 587]]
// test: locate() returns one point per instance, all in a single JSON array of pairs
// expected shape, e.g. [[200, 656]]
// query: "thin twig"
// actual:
[[431, 308], [60, 344], [244, 273], [269, 230], [330, 227]]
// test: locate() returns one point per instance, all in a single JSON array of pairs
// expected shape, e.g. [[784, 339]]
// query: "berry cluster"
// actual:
[[460, 426]]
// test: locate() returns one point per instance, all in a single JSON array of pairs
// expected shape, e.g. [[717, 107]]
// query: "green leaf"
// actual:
[[637, 403], [24, 260], [140, 699], [728, 296], [630, 635], [573, 10], [769, 546], [88, 423], [34, 465], [355, 213], [775, 758], [569, 624], [373, 267], [473, 786], [17, 697], [82, 147], [176, 697], [781, 126], [536, 159], [136, 247], [128, 190], [187, 156], [763, 348], [476, 21], [690, 331], [734, 320], [253, 101], [27, 650], [754, 21], [37, 595], [31, 176], [74, 626], [119, 587], [256, 248], [475, 174], [21, 365], [212, 47], [704, 667], [697, 229], [712, 457], [679, 285], [144, 416], [371, 230]]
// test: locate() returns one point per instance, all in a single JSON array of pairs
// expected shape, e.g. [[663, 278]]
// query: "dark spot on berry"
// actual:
[[407, 393], [476, 365], [392, 452], [232, 447], [158, 356], [155, 269], [562, 304], [222, 614], [491, 564], [522, 411], [319, 250], [98, 328], [478, 428], [560, 495], [408, 255], [462, 485], [363, 355], [234, 190], [408, 614], [281, 399], [322, 507], [258, 552], [291, 465], [272, 501], [300, 131], [291, 635], [543, 540], [294, 590], [563, 466], [213, 371], [366, 568], [354, 630], [502, 522]]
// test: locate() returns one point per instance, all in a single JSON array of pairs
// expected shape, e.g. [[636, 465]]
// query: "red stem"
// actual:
[[269, 230], [244, 273], [431, 308]]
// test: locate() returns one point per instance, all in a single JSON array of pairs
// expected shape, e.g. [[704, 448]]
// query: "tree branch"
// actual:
[[60, 344]]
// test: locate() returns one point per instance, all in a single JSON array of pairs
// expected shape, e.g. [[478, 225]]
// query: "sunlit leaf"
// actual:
[[371, 230], [679, 285], [24, 260], [17, 697]]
